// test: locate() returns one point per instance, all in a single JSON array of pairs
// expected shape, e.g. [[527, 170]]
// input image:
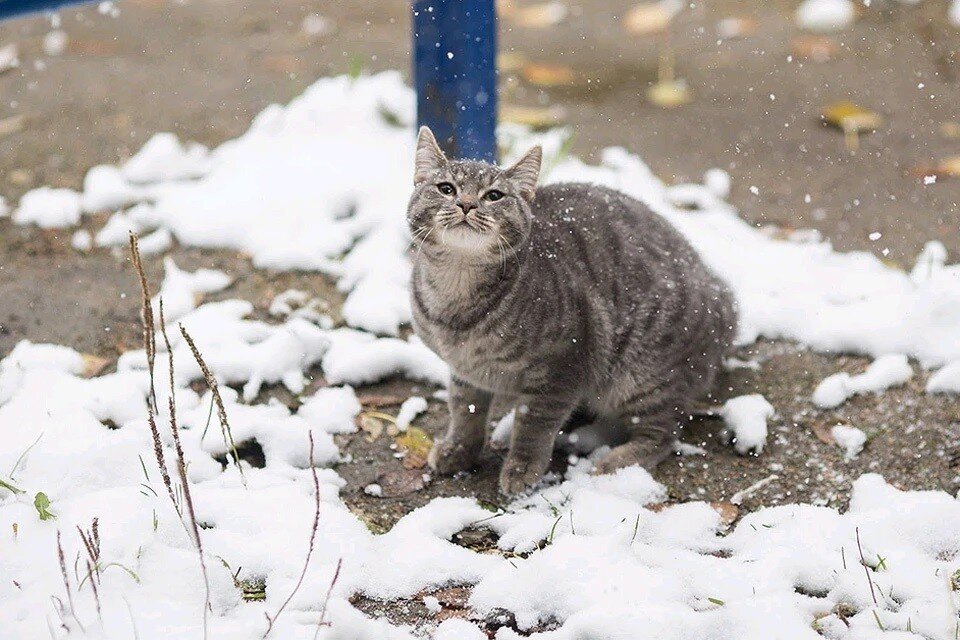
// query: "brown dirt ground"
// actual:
[[207, 67]]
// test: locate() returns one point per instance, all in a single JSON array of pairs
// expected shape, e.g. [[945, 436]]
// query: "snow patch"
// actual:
[[746, 422], [886, 371]]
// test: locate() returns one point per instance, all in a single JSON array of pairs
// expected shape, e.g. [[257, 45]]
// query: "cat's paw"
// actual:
[[518, 476], [448, 457], [644, 454]]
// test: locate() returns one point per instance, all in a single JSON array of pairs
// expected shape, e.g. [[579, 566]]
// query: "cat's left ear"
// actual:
[[429, 156], [525, 171]]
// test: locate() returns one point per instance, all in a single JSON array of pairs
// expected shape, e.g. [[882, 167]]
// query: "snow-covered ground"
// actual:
[[322, 184]]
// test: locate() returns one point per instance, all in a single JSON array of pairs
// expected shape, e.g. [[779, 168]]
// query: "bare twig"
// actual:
[[215, 392], [866, 568], [313, 537]]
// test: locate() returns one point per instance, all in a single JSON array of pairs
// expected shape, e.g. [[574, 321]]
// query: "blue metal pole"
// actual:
[[454, 48], [13, 8]]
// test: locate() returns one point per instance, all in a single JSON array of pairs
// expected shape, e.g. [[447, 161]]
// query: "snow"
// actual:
[[597, 556], [456, 629], [746, 422], [954, 14], [886, 371], [165, 159], [330, 220], [945, 380], [81, 240], [410, 409], [825, 15], [49, 208], [850, 439]]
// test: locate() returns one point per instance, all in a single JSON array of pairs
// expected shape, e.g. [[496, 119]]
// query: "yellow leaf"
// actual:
[[851, 118], [669, 93], [93, 365], [372, 426], [647, 18], [510, 61], [538, 16], [547, 75], [533, 117], [416, 443], [727, 511], [950, 166], [950, 130]]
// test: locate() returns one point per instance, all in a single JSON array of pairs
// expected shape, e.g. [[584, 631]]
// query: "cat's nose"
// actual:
[[466, 204]]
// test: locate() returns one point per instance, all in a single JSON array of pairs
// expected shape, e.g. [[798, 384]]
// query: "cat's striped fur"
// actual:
[[561, 297]]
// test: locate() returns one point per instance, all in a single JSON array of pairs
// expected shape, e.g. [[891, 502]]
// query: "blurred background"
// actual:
[[741, 85]]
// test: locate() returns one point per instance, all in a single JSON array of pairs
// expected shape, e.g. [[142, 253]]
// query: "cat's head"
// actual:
[[471, 208]]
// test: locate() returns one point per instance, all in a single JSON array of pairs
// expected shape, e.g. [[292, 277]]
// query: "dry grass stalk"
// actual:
[[866, 567], [91, 542], [96, 592], [323, 611], [194, 528], [66, 581], [146, 311], [313, 538], [150, 347], [218, 400]]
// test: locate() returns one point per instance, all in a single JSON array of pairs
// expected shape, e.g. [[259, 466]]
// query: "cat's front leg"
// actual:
[[537, 424], [460, 448]]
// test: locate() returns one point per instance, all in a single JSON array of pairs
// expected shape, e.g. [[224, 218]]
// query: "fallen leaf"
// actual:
[[10, 125], [510, 61], [950, 166], [950, 130], [946, 168], [736, 27], [93, 365], [537, 16], [669, 94], [9, 57], [400, 482], [648, 18], [816, 48], [534, 117], [370, 425], [848, 117], [821, 430], [20, 177], [727, 510], [281, 63], [416, 443], [547, 75]]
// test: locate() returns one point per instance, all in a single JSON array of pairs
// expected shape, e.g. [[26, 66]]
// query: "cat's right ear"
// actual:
[[429, 156]]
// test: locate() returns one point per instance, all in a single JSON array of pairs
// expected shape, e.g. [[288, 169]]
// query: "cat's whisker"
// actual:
[[420, 248]]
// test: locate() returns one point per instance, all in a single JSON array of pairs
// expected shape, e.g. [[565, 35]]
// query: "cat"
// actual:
[[564, 297]]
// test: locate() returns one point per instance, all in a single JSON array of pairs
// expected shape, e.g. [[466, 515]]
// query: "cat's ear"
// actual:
[[429, 156], [525, 171]]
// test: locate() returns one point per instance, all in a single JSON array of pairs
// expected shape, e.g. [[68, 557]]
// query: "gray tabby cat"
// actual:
[[566, 297]]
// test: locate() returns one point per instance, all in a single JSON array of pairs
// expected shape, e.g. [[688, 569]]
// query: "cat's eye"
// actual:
[[446, 188], [493, 195]]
